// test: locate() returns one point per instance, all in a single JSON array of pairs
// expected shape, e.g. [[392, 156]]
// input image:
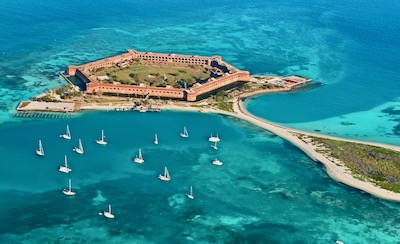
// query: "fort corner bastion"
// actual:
[[221, 74]]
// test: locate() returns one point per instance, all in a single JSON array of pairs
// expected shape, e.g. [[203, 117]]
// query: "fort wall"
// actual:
[[83, 72], [145, 56], [136, 90]]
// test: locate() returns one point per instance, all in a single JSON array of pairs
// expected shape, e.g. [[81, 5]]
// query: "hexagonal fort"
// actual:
[[182, 77]]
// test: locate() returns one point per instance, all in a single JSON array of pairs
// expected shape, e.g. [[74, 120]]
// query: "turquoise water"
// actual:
[[267, 191]]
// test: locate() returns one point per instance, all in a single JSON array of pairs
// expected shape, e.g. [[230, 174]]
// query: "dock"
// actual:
[[44, 115], [29, 106]]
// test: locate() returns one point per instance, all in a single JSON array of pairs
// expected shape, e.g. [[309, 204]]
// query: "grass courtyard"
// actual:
[[155, 75]]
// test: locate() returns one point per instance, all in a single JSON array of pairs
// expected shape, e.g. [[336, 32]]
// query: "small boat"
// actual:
[[67, 135], [185, 133], [79, 149], [339, 242], [68, 192], [190, 194], [101, 141], [65, 168], [214, 138], [40, 150], [156, 139], [108, 213], [217, 162], [139, 158], [214, 146], [166, 176]]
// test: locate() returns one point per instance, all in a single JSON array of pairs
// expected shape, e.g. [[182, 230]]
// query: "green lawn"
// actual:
[[155, 75]]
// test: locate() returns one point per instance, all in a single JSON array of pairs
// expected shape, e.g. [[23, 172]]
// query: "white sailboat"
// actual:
[[185, 133], [217, 162], [65, 168], [139, 158], [166, 176], [40, 150], [101, 141], [68, 191], [67, 135], [214, 146], [214, 138], [108, 213], [79, 149], [190, 194], [156, 139]]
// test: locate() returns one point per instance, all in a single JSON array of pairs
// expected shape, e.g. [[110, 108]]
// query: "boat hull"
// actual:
[[39, 153], [64, 169], [213, 139], [217, 162], [108, 215], [138, 160], [101, 142], [68, 193], [163, 178], [78, 150], [65, 136]]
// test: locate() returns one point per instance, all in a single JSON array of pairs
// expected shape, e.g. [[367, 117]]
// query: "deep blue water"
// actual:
[[267, 191]]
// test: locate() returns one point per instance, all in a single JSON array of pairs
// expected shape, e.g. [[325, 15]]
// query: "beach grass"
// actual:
[[374, 164]]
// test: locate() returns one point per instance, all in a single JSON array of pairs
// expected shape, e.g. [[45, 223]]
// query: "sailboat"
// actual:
[[40, 150], [67, 135], [65, 168], [79, 149], [215, 145], [214, 138], [101, 141], [185, 133], [139, 158], [166, 176], [156, 139], [217, 162], [190, 194], [68, 192], [108, 213]]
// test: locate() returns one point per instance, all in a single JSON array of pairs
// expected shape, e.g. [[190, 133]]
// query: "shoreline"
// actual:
[[338, 173]]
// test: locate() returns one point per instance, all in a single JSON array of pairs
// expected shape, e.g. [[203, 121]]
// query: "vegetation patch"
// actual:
[[155, 75], [368, 163]]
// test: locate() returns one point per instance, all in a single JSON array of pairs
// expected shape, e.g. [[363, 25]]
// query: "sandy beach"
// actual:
[[334, 170]]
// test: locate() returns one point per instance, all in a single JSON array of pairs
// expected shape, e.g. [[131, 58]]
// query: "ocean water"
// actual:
[[267, 191]]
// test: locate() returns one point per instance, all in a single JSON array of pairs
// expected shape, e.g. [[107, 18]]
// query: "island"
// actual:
[[146, 81]]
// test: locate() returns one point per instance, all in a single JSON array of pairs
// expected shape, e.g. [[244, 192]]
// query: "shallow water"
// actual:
[[266, 191]]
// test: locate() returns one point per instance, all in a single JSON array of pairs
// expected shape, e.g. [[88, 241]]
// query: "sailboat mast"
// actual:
[[109, 208], [102, 135], [69, 184], [41, 147], [66, 162], [166, 173]]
